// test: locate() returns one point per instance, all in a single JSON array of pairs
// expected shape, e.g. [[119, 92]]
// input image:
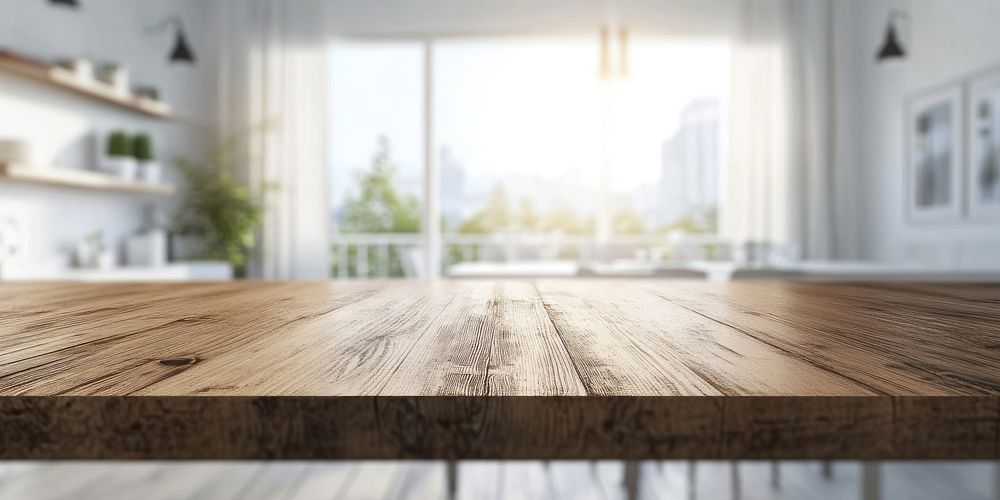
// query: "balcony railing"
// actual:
[[397, 255]]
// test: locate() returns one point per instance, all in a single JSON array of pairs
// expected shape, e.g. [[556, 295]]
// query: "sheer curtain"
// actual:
[[779, 188], [272, 89]]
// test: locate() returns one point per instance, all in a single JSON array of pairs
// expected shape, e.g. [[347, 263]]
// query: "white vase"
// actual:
[[150, 172], [147, 249], [105, 260], [85, 255], [125, 167]]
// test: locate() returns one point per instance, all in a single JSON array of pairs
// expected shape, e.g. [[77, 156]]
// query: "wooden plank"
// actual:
[[905, 480], [40, 319], [632, 335], [524, 480], [153, 353], [322, 480], [373, 481], [127, 480], [421, 480], [610, 479], [350, 350], [574, 480], [984, 294], [799, 479], [118, 480], [614, 357], [205, 480], [666, 480], [480, 480], [277, 480], [54, 483], [494, 339], [882, 343], [555, 369], [593, 427]]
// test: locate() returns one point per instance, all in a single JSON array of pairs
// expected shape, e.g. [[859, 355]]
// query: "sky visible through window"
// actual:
[[528, 115]]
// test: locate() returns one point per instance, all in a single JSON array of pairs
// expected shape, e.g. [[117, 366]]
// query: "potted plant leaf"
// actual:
[[219, 211], [149, 170], [120, 161]]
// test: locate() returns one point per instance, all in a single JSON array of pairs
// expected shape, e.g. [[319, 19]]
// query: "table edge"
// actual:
[[499, 427]]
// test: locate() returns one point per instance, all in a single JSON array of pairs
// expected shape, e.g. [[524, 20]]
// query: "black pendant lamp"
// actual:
[[892, 49], [65, 3], [181, 52]]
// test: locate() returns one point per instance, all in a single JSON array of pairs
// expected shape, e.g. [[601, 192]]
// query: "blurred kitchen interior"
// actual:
[[726, 139]]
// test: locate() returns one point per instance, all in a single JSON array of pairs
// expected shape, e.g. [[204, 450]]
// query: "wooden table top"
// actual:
[[500, 369]]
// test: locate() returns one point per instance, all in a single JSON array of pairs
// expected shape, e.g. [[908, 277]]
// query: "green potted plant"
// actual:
[[220, 212], [120, 161], [149, 170]]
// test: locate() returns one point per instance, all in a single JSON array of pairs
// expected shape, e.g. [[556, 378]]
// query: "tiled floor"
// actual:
[[484, 480]]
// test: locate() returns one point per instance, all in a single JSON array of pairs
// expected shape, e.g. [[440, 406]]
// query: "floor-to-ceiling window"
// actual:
[[542, 151], [518, 134], [376, 156]]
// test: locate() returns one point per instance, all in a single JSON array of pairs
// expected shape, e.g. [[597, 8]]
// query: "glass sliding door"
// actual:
[[532, 152], [546, 159], [669, 136], [518, 134]]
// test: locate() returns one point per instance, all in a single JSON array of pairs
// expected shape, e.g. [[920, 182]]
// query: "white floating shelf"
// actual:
[[76, 178]]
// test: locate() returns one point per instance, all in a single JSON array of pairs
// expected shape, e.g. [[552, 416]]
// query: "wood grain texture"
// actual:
[[506, 369]]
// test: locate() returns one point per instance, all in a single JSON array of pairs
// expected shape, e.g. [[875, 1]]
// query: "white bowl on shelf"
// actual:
[[14, 151]]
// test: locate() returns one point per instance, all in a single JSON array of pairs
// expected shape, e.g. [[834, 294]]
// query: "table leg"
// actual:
[[631, 479], [734, 477], [451, 479], [996, 480], [692, 480], [871, 480], [827, 469]]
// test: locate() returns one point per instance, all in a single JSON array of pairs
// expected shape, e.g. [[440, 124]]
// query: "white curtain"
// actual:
[[779, 188], [272, 84]]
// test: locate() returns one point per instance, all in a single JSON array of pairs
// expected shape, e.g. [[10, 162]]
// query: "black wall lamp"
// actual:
[[65, 3], [181, 53], [891, 48]]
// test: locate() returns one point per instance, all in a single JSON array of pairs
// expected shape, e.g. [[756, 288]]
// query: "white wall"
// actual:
[[61, 127], [947, 40], [497, 17]]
